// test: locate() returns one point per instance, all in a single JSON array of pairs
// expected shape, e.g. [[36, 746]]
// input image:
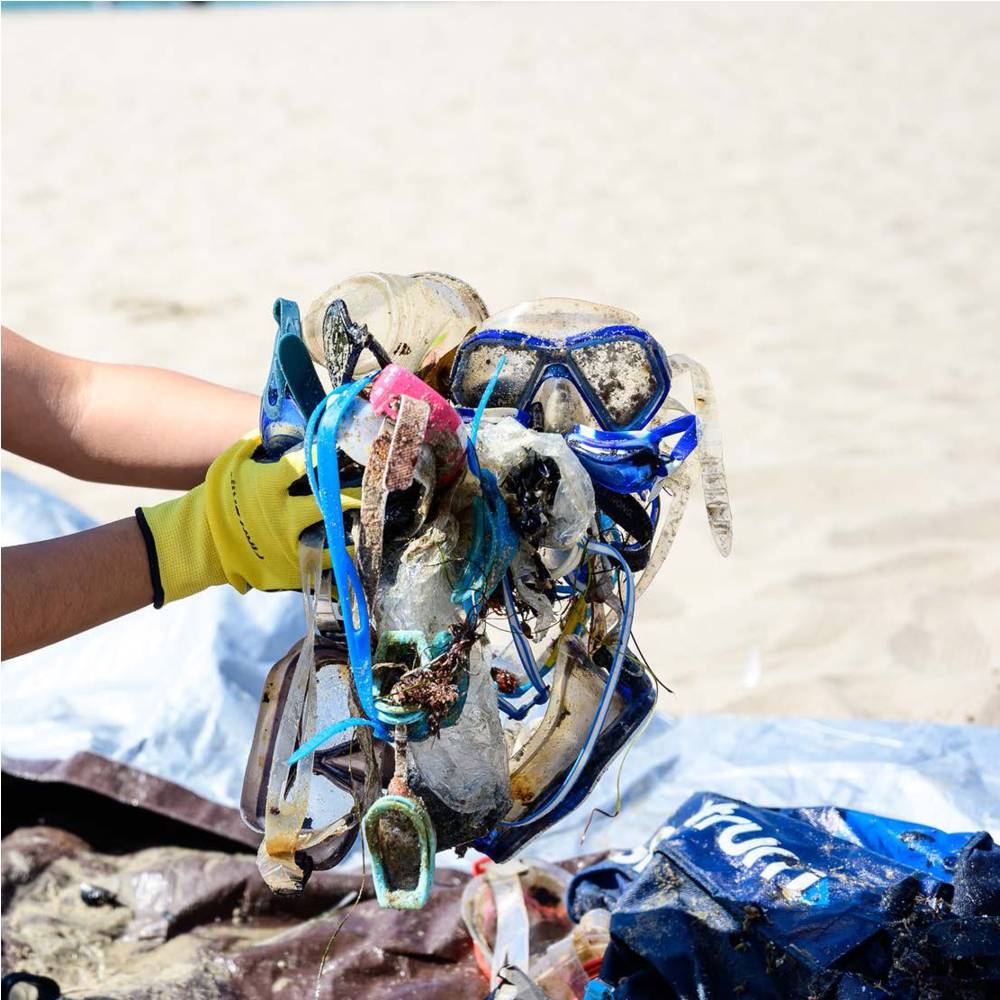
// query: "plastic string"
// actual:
[[524, 651], [604, 706], [327, 734]]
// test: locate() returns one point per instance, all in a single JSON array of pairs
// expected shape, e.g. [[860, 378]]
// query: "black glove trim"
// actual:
[[154, 562]]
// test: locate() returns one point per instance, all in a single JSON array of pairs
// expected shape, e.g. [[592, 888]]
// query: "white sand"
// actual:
[[805, 198]]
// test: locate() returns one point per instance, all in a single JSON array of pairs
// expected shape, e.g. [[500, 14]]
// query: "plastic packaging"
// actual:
[[417, 319], [504, 445], [514, 912], [416, 585], [461, 774], [567, 966]]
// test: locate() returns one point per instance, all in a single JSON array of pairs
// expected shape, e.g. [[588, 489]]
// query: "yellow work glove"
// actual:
[[241, 526]]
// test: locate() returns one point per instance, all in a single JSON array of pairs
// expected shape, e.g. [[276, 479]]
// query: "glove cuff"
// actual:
[[180, 548]]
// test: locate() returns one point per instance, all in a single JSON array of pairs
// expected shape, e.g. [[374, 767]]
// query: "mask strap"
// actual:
[[631, 516]]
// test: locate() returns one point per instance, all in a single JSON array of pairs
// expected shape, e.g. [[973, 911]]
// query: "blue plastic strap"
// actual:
[[477, 418], [631, 461], [631, 441], [485, 400], [688, 425], [327, 734], [521, 644], [494, 542], [324, 424]]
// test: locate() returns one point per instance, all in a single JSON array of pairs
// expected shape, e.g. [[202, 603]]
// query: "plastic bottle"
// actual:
[[416, 318]]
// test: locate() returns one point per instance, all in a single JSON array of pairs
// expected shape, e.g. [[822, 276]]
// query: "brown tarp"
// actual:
[[178, 909], [132, 787], [181, 910], [187, 923]]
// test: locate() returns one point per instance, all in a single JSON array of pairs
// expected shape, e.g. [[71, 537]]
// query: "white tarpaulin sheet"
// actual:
[[174, 693]]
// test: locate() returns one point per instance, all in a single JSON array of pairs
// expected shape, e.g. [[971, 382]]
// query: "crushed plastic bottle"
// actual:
[[416, 318]]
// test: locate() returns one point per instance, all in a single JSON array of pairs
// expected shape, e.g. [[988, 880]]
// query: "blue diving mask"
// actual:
[[592, 361]]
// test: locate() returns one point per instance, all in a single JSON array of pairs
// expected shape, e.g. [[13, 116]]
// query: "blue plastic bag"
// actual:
[[734, 900]]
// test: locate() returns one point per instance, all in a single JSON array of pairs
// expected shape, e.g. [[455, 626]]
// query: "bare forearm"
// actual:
[[116, 423], [57, 588], [151, 427]]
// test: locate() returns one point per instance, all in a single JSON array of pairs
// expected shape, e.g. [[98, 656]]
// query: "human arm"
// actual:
[[241, 526], [125, 424], [59, 587], [115, 423]]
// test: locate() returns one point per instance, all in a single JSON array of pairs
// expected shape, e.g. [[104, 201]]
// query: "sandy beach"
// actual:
[[804, 198]]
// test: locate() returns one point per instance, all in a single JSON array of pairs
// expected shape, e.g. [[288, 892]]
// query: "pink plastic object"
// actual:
[[445, 431], [393, 382]]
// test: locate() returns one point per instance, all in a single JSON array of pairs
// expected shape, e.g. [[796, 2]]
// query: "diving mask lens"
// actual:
[[622, 375], [478, 366]]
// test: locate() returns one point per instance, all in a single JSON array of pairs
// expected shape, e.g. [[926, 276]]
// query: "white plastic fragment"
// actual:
[[713, 473], [358, 429], [504, 445]]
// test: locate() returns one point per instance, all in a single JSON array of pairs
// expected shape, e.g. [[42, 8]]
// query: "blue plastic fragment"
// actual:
[[282, 421], [630, 461]]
